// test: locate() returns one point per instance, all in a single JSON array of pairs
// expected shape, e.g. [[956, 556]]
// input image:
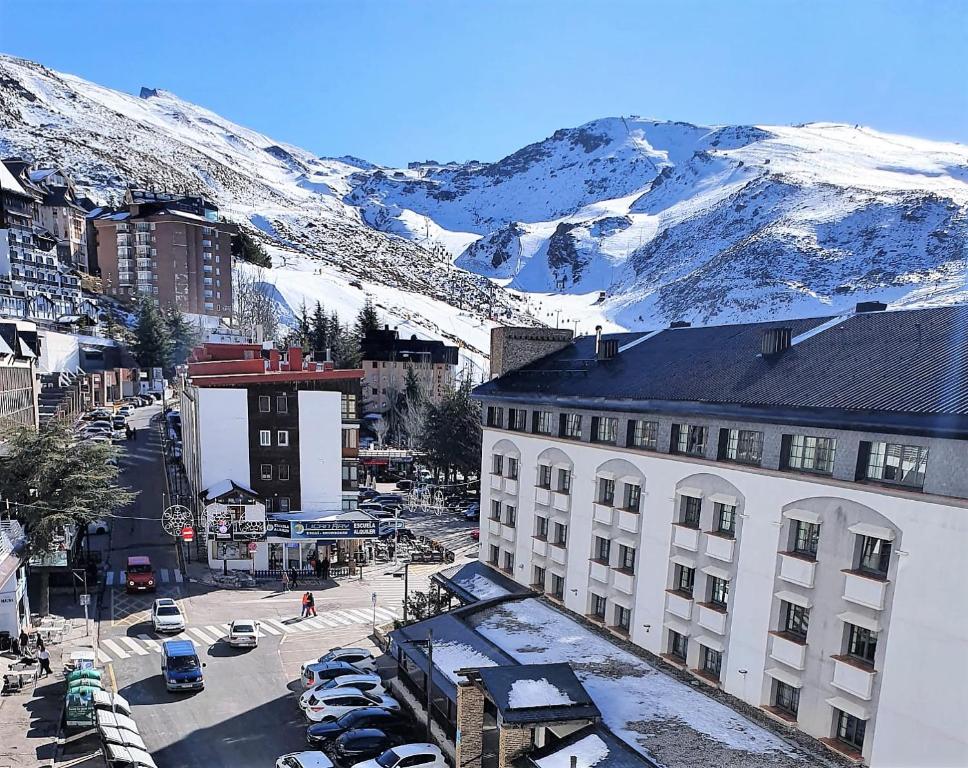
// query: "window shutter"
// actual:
[[863, 458], [785, 451], [561, 425], [674, 440], [723, 443]]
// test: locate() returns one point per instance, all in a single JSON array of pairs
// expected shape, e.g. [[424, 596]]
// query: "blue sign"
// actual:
[[311, 530]]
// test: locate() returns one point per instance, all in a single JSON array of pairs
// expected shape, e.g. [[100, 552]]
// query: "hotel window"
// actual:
[[508, 561], [861, 644], [689, 440], [351, 472], [796, 620], [564, 481], [632, 497], [851, 730], [512, 473], [606, 491], [282, 437], [265, 472], [744, 446], [283, 471], [623, 617], [544, 422], [678, 646], [786, 698], [351, 438], [604, 429], [544, 476], [510, 515], [348, 406], [875, 556], [725, 519], [806, 538], [517, 419], [626, 558], [265, 437], [683, 580], [690, 509], [495, 416], [557, 586], [494, 553], [643, 434], [710, 662], [603, 548], [570, 426], [718, 592], [808, 454], [893, 463], [495, 509], [538, 579], [283, 504], [541, 528], [497, 464], [282, 405], [598, 606], [265, 404], [560, 535]]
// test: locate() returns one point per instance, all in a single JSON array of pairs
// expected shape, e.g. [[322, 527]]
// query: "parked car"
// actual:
[[244, 633], [389, 500], [364, 744], [140, 575], [408, 756], [387, 720], [404, 485], [366, 494], [361, 658], [358, 682], [98, 413], [126, 410], [304, 760], [119, 422], [476, 534], [166, 616], [317, 674], [473, 512], [331, 705], [392, 528]]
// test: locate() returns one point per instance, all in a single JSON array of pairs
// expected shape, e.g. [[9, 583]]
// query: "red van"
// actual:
[[140, 576]]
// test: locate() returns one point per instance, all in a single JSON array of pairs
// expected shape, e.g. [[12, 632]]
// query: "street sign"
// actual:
[[188, 533], [85, 599], [253, 546], [373, 598]]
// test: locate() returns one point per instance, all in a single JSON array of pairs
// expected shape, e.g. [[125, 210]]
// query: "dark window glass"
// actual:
[[796, 620], [495, 509], [725, 519], [544, 422], [538, 580], [282, 406], [710, 661], [604, 429], [265, 404], [811, 454], [851, 730], [541, 527], [643, 434], [497, 464], [718, 592], [603, 549], [560, 534], [678, 646], [564, 481], [633, 497], [689, 512], [861, 643], [684, 579], [493, 554], [895, 463], [557, 586], [806, 537], [623, 617], [544, 476], [508, 561], [510, 515], [598, 606], [512, 469], [690, 440], [787, 698], [571, 426], [606, 491], [875, 556], [744, 446], [626, 558]]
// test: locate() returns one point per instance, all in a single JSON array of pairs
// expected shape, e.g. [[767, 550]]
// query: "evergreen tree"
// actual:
[[452, 432], [181, 334], [319, 331], [152, 345], [303, 327], [247, 248], [366, 321]]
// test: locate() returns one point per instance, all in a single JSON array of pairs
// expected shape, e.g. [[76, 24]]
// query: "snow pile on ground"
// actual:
[[536, 693], [590, 751], [451, 656], [482, 587], [663, 718]]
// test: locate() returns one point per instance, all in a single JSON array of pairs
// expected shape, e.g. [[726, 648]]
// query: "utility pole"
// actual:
[[406, 589], [430, 681]]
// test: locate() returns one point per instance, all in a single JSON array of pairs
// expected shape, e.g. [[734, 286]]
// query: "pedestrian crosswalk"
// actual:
[[164, 576], [143, 644]]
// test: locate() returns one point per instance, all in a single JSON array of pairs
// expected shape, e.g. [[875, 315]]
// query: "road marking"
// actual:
[[363, 615], [103, 657], [266, 627], [116, 649], [114, 680], [150, 643], [217, 631], [303, 627], [327, 621], [201, 635], [341, 618], [134, 646], [284, 627], [314, 622], [385, 613], [178, 576]]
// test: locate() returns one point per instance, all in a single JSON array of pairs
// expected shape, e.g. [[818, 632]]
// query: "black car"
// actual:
[[368, 493], [363, 744], [389, 500], [389, 722], [404, 485], [118, 422]]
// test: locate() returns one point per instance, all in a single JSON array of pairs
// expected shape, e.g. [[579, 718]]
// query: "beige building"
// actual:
[[60, 212], [386, 359]]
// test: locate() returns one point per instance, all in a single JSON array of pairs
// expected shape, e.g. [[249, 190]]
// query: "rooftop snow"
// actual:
[[536, 693], [482, 587], [451, 656], [590, 751]]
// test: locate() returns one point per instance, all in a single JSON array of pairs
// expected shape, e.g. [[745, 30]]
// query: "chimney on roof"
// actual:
[[775, 340], [680, 324], [598, 341], [870, 306], [295, 359], [273, 359]]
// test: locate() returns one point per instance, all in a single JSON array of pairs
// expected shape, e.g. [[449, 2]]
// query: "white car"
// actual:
[[126, 410], [244, 633], [408, 756], [361, 658], [331, 705], [166, 616], [365, 683], [304, 760]]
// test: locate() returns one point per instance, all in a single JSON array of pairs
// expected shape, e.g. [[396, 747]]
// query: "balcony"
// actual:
[[507, 532], [603, 514], [494, 526], [797, 569], [598, 571], [623, 581], [559, 554], [720, 547], [497, 482], [539, 547], [854, 677], [542, 496], [788, 651], [679, 604], [685, 537], [628, 521], [561, 501], [511, 485], [712, 618], [864, 590]]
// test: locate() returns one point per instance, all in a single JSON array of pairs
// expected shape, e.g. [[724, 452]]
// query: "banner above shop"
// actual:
[[334, 528]]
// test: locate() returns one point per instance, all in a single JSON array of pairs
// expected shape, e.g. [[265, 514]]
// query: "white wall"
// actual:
[[919, 716], [320, 451], [59, 352], [223, 430]]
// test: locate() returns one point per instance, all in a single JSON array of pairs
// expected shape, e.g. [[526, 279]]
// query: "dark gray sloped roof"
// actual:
[[619, 754], [499, 682], [906, 368]]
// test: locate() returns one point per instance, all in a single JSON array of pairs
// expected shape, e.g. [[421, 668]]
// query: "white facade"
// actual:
[[320, 451], [223, 433], [914, 702]]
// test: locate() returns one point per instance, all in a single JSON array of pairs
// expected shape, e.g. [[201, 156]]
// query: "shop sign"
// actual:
[[231, 550], [223, 529], [278, 528], [333, 529]]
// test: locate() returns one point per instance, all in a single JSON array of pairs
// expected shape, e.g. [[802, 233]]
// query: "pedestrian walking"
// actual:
[[134, 433], [24, 642], [305, 606], [310, 604], [44, 658], [127, 431], [294, 577], [285, 581], [325, 565]]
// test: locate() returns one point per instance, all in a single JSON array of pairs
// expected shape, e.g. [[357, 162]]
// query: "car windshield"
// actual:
[[139, 569], [183, 663], [243, 628], [169, 610], [291, 762], [388, 759]]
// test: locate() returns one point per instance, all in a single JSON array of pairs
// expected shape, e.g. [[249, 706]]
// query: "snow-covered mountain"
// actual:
[[678, 221], [664, 220]]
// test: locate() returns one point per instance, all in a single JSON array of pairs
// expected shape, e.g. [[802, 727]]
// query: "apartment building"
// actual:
[[170, 248], [778, 508], [280, 435], [387, 358], [19, 352]]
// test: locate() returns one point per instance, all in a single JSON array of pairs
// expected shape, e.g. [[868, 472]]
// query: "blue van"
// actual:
[[180, 666]]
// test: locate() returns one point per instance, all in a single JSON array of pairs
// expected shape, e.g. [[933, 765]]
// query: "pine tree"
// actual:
[[319, 331], [246, 248], [367, 320], [152, 345], [181, 334], [303, 327]]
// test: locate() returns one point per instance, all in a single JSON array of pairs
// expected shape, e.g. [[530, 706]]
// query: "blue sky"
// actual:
[[402, 80]]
